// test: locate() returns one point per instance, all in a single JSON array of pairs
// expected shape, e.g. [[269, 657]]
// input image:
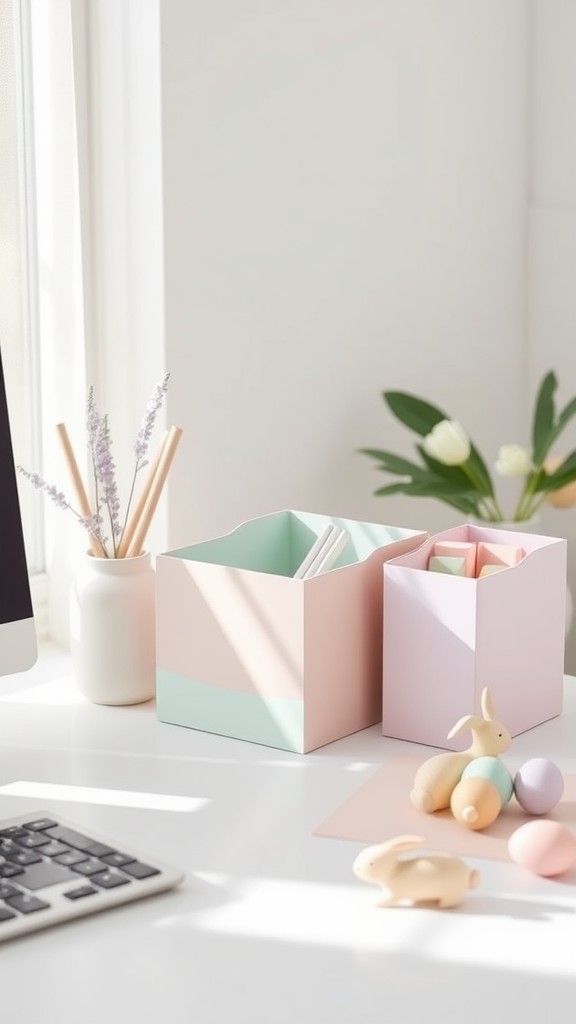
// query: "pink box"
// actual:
[[447, 637], [243, 649]]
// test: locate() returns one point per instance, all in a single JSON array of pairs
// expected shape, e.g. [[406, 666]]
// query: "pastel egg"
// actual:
[[493, 769], [538, 785], [475, 803], [544, 847]]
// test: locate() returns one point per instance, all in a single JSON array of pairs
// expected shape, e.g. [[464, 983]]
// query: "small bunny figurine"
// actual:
[[439, 877], [439, 775]]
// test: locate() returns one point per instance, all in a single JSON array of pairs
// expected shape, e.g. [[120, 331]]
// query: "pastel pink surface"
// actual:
[[497, 554], [381, 808]]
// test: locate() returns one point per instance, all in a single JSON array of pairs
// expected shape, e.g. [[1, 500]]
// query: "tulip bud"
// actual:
[[564, 497], [448, 443], [513, 460]]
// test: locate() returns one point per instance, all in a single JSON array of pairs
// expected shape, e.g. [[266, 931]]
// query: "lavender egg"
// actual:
[[538, 785]]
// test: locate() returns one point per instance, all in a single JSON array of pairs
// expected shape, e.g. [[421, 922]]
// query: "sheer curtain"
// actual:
[[93, 94]]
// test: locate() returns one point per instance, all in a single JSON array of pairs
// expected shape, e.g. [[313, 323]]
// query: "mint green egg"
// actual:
[[493, 769]]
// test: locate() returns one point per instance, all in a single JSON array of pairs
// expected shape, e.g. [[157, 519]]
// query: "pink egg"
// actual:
[[544, 847], [538, 785]]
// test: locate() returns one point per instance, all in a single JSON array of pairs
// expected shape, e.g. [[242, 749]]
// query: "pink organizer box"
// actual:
[[244, 649], [447, 637]]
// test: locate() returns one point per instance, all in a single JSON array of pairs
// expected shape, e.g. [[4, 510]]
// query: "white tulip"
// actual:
[[447, 442], [513, 460]]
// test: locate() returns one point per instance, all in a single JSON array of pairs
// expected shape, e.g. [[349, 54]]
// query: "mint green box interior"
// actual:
[[279, 542]]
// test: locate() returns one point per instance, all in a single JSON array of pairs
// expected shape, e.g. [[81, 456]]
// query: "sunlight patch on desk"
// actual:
[[346, 917], [107, 797], [56, 692]]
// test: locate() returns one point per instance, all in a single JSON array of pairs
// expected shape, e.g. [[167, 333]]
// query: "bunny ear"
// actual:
[[401, 843], [487, 707], [464, 724]]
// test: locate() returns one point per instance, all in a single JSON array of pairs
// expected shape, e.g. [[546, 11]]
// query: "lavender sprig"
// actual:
[[147, 426], [144, 434], [106, 497], [104, 469], [92, 524]]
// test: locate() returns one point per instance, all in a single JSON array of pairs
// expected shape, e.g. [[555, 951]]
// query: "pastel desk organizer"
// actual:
[[447, 637], [246, 650]]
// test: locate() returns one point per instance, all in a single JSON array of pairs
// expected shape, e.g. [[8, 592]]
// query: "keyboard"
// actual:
[[52, 871]]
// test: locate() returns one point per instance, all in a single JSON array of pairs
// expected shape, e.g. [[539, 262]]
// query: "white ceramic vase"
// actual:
[[112, 629]]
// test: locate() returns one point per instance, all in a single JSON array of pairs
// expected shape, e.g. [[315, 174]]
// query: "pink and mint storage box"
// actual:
[[246, 650], [447, 637]]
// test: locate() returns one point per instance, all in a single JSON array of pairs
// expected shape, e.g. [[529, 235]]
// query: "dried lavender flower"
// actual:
[[93, 524], [58, 497], [105, 472], [146, 427], [99, 441]]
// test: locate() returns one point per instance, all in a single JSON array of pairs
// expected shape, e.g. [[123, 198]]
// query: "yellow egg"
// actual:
[[564, 497], [475, 803]]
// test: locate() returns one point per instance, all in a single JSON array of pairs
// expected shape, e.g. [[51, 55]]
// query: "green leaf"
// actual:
[[566, 414], [392, 489], [543, 423], [413, 412], [481, 472], [436, 487], [393, 463], [464, 504]]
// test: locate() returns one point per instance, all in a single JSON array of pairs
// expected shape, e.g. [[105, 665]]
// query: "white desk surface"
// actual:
[[270, 925]]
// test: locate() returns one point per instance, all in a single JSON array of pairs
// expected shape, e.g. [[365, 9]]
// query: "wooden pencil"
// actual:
[[134, 519], [81, 497], [155, 491]]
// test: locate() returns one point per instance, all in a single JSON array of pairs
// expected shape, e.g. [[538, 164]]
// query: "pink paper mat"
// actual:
[[381, 808]]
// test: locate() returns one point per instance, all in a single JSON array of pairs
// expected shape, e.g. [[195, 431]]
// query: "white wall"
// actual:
[[552, 219], [345, 211]]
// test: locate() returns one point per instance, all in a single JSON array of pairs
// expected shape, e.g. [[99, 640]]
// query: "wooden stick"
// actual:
[[81, 497], [137, 511], [155, 491]]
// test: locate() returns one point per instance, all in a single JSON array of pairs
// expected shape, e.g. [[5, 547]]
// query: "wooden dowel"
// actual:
[[155, 491], [138, 509], [81, 497]]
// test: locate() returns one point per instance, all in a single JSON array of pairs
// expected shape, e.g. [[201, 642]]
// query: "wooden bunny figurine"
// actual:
[[439, 775], [439, 877]]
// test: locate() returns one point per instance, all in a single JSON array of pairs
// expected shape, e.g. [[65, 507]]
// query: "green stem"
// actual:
[[525, 508], [490, 502]]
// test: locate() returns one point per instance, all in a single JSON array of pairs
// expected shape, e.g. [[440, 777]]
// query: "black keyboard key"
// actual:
[[54, 847], [47, 873], [6, 915], [78, 894], [32, 840], [78, 841], [12, 832], [27, 904], [7, 890], [138, 870], [88, 867], [109, 879], [70, 857], [9, 870], [116, 860], [40, 823], [23, 857]]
